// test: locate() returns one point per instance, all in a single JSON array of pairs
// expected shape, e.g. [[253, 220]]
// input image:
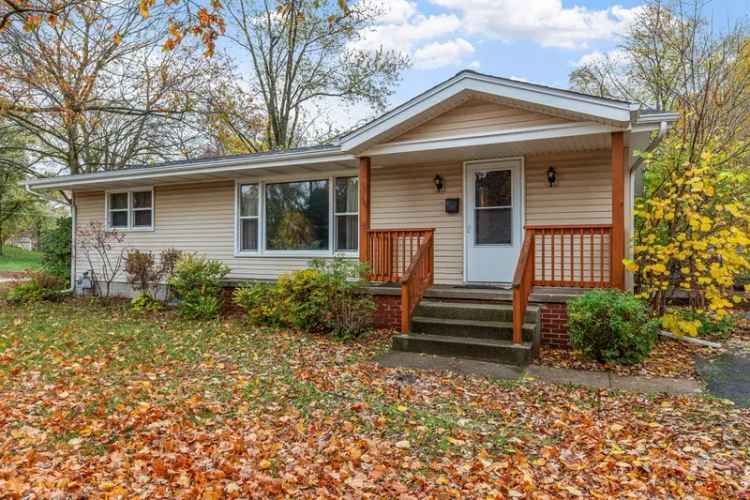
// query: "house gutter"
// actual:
[[663, 128]]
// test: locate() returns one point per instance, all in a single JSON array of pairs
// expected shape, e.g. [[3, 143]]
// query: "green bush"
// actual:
[[55, 247], [197, 283], [611, 326], [145, 302], [41, 286], [321, 298], [260, 302]]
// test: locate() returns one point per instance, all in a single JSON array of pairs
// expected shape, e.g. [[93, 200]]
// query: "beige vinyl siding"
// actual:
[[582, 195], [477, 118], [194, 218], [404, 197]]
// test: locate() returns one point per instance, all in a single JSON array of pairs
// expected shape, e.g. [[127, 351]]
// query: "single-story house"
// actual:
[[480, 205]]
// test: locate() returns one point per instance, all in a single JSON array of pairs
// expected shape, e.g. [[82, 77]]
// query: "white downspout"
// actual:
[[73, 210], [663, 127]]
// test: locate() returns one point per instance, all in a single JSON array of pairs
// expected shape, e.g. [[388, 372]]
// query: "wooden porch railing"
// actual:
[[570, 255], [405, 256], [392, 251], [523, 278], [417, 279]]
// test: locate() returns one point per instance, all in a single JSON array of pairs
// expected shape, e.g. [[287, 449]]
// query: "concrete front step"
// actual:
[[470, 328], [472, 311], [498, 351]]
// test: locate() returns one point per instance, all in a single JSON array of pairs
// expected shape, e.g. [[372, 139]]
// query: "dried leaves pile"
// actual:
[[97, 402]]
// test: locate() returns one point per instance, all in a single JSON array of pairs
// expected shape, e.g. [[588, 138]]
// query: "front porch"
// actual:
[[555, 262]]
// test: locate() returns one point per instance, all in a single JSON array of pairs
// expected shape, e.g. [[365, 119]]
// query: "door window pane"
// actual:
[[248, 234], [297, 215], [493, 188], [494, 226]]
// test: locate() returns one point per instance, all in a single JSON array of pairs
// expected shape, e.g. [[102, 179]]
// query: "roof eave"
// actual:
[[213, 166]]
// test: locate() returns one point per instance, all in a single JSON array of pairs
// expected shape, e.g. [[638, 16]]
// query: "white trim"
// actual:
[[130, 228], [465, 187], [500, 137], [618, 112], [236, 215], [262, 182]]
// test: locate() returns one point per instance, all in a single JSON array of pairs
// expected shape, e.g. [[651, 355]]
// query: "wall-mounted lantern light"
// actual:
[[438, 180], [551, 176]]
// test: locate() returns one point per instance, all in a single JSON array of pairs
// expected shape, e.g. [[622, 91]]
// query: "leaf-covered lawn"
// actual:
[[99, 402]]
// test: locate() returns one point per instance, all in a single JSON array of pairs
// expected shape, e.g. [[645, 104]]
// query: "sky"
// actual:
[[533, 40]]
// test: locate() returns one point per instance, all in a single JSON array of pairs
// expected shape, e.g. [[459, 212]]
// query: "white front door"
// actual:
[[493, 221]]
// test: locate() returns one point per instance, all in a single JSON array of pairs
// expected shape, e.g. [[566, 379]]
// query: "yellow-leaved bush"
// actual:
[[692, 232]]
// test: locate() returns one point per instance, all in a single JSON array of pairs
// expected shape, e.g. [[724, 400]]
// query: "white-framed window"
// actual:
[[347, 214], [130, 210], [249, 217], [315, 216]]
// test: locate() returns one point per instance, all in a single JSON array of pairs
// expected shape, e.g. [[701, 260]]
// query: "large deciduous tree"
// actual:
[[95, 90], [301, 53]]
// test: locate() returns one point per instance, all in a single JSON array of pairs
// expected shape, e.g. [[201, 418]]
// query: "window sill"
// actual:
[[302, 255], [131, 229]]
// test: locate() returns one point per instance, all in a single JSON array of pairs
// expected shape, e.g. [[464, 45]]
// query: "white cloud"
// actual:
[[405, 36], [401, 27], [474, 65], [547, 22], [440, 54]]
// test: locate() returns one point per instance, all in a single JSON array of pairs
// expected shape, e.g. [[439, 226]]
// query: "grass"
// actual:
[[16, 259], [156, 405]]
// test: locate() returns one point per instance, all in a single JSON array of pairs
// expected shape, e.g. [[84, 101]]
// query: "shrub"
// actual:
[[260, 302], [611, 326], [197, 284], [145, 302], [25, 292], [144, 274], [41, 286], [321, 298], [55, 247]]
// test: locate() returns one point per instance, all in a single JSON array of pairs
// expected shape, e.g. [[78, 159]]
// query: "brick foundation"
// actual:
[[554, 324], [388, 311]]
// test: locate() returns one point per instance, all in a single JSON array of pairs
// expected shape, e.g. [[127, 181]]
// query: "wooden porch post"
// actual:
[[364, 209], [617, 239]]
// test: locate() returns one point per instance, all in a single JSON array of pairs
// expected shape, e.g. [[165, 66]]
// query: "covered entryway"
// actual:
[[493, 219]]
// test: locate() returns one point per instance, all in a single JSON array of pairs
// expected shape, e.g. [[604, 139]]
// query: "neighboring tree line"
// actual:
[[693, 221]]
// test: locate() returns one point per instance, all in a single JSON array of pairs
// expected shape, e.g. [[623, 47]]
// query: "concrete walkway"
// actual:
[[594, 380]]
